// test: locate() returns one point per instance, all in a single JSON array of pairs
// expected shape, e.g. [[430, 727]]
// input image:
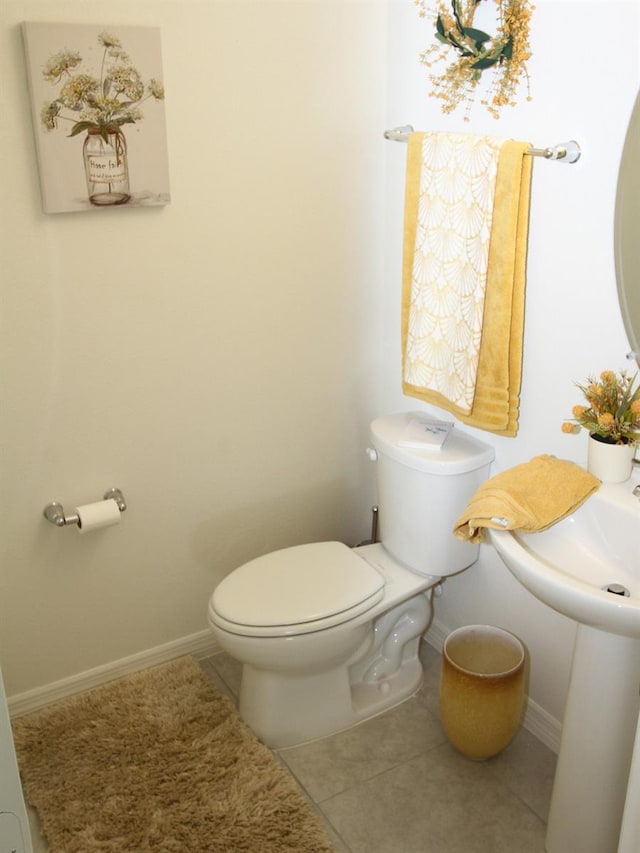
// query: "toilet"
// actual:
[[328, 635]]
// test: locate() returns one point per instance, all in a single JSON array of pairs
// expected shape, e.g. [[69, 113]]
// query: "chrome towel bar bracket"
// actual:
[[565, 152], [54, 512]]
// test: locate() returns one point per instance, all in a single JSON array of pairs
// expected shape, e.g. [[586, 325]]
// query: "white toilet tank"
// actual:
[[422, 492]]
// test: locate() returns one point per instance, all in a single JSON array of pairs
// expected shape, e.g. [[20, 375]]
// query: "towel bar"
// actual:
[[566, 152]]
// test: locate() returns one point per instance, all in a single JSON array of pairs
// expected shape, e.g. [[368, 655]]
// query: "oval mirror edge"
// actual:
[[627, 214]]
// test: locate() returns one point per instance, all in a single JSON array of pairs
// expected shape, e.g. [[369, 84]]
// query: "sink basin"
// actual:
[[568, 565]]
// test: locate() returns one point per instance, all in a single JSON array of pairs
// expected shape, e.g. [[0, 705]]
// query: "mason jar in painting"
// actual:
[[106, 167]]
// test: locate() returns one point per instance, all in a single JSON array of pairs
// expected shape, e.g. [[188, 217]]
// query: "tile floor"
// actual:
[[395, 785]]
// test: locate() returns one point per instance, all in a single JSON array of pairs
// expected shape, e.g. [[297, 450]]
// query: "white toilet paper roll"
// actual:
[[98, 514]]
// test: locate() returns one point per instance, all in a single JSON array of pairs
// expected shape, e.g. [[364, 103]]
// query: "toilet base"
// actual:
[[286, 709], [320, 705]]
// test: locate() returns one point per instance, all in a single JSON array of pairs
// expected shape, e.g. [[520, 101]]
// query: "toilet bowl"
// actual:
[[328, 635]]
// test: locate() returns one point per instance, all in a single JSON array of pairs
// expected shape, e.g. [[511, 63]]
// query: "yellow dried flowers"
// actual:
[[505, 54]]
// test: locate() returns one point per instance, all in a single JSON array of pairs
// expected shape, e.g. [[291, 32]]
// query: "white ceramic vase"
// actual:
[[611, 463]]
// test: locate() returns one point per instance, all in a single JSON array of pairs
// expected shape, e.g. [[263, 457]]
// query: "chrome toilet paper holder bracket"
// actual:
[[54, 511]]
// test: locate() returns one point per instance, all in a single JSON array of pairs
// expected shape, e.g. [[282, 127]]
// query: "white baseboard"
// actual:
[[199, 645], [436, 635], [541, 724], [536, 720]]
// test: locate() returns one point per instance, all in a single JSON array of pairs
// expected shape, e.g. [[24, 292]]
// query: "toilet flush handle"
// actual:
[[372, 454]]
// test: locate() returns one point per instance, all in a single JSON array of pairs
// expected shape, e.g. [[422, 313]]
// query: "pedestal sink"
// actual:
[[587, 567]]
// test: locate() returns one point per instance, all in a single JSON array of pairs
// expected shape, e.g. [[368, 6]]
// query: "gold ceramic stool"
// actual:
[[481, 689]]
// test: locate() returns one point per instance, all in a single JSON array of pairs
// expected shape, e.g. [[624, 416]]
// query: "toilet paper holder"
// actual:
[[54, 512]]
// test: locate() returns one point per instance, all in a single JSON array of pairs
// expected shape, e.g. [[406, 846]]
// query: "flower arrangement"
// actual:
[[505, 54], [98, 105], [612, 412]]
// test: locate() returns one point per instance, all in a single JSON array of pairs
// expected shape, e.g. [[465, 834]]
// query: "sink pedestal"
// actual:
[[630, 834], [596, 746]]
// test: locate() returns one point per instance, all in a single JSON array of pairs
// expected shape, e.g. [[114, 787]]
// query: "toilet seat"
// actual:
[[296, 590]]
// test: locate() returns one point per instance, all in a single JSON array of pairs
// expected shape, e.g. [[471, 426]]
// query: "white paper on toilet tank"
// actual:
[[96, 515], [425, 433]]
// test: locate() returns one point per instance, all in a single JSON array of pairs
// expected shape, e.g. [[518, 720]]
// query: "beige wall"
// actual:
[[211, 358]]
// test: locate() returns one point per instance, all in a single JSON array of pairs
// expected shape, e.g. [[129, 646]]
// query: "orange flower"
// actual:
[[606, 420]]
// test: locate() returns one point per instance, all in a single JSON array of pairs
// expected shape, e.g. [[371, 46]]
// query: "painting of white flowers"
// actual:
[[97, 99]]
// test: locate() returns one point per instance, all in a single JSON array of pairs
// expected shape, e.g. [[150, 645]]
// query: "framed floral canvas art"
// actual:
[[97, 100]]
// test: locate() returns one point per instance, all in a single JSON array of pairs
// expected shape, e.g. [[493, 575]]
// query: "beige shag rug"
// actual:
[[159, 761]]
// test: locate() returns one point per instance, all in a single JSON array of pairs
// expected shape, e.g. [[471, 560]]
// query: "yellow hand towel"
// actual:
[[489, 357], [528, 497]]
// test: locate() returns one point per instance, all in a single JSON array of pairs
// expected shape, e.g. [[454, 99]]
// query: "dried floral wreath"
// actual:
[[505, 53]]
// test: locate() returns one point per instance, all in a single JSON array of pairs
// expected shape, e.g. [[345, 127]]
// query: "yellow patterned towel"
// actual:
[[528, 497], [464, 261]]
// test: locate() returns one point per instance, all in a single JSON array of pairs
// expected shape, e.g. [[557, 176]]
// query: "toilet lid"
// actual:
[[297, 586]]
